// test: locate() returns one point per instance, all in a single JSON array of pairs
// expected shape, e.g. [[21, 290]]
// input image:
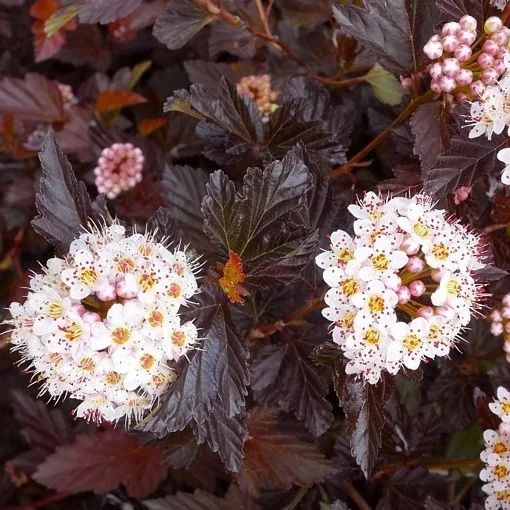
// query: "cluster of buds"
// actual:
[[402, 289], [102, 324], [496, 456], [119, 168], [68, 97], [499, 320], [258, 89], [465, 65]]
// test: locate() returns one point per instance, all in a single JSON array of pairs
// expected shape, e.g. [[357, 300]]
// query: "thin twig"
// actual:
[[363, 153], [356, 497], [493, 228], [263, 17], [300, 494]]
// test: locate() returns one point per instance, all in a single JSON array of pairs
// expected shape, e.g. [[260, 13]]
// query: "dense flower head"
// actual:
[[66, 92], [102, 324], [258, 88], [119, 168], [464, 63], [499, 319], [402, 287], [496, 456]]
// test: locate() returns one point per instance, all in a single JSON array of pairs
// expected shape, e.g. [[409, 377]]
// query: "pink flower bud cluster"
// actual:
[[499, 319], [118, 169], [258, 89], [402, 288], [68, 97], [462, 66], [496, 456], [103, 324]]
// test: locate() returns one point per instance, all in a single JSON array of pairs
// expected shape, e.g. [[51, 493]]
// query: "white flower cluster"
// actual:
[[496, 456], [402, 288], [491, 115], [102, 324], [499, 4]]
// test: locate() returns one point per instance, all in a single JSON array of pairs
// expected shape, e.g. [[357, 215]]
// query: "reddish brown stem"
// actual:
[[42, 503], [363, 153], [292, 319]]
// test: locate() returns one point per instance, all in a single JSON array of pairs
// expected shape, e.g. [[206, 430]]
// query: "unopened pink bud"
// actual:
[[463, 52], [506, 300], [434, 86], [468, 23], [500, 38], [450, 67], [490, 76], [491, 47], [403, 294], [485, 60], [426, 312], [497, 328], [461, 194], [433, 50], [505, 312], [450, 28], [495, 316], [464, 77], [417, 288], [450, 42], [437, 274], [78, 308], [415, 265], [477, 88], [492, 24], [124, 292], [466, 37], [410, 246], [500, 66], [436, 71], [447, 84], [91, 317], [407, 83], [445, 311]]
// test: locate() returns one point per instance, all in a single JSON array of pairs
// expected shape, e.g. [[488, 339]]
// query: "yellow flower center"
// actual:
[[147, 361], [375, 304], [87, 364], [178, 338], [411, 342], [159, 380], [88, 276], [500, 471], [349, 286], [73, 331], [113, 378], [503, 495], [372, 336], [155, 318], [453, 287], [120, 335], [344, 256], [147, 281], [125, 265], [174, 290], [420, 229], [380, 261], [348, 320], [505, 407], [55, 310], [499, 448], [440, 251], [434, 332]]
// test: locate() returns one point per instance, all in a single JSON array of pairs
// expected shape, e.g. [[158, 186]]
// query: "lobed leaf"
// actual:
[[105, 11], [394, 30], [102, 462], [277, 455], [199, 500], [181, 21], [63, 203]]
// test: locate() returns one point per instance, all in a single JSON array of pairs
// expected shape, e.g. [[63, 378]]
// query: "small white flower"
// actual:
[[504, 156], [501, 406]]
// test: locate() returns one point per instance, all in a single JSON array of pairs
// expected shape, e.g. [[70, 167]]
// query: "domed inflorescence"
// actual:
[[496, 456], [102, 324], [258, 88], [402, 288], [118, 169], [500, 322], [465, 64]]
